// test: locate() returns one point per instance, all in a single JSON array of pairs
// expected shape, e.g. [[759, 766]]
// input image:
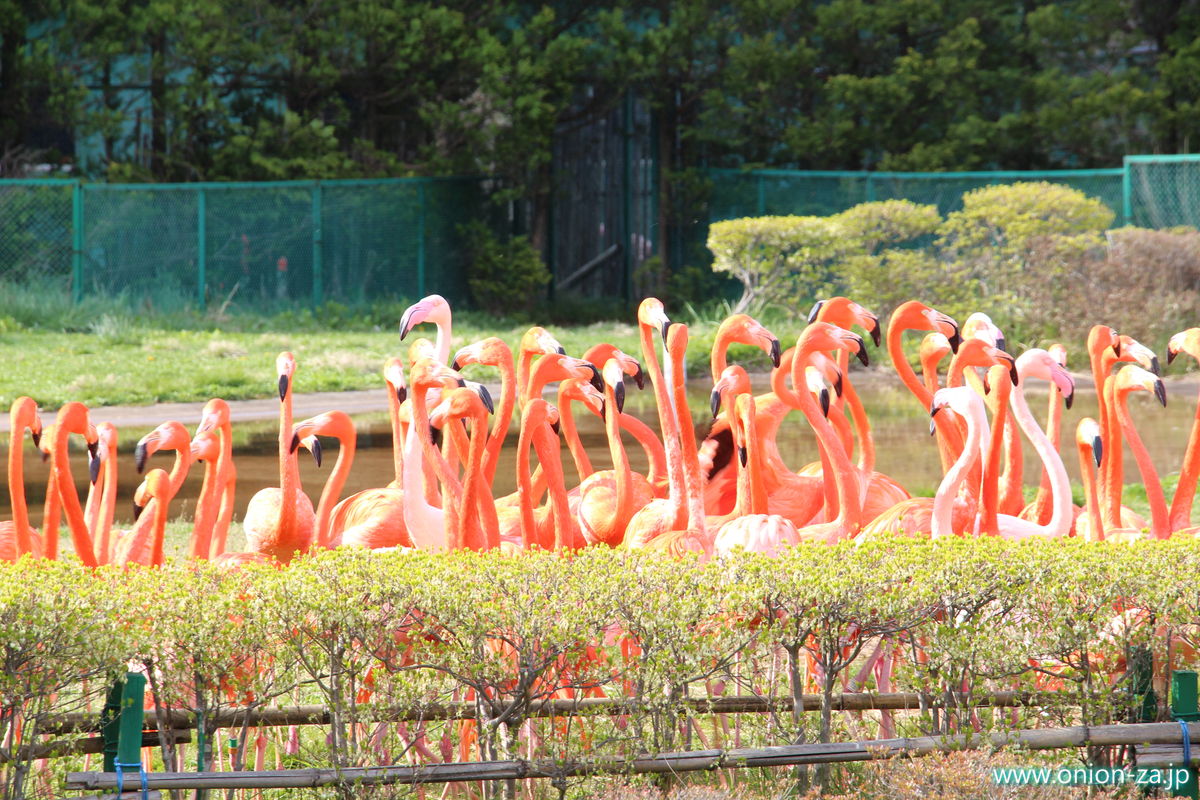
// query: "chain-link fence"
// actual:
[[304, 242], [266, 244]]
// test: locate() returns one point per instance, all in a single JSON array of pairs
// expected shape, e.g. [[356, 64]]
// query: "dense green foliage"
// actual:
[[503, 276], [359, 631]]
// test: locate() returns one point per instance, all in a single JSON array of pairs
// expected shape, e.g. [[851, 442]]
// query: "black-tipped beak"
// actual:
[[37, 438], [824, 395], [862, 354], [839, 384], [619, 394], [1069, 399], [316, 451], [436, 435], [1170, 357], [714, 402], [666, 326], [1001, 344], [555, 426], [461, 382], [775, 352], [93, 449], [639, 377], [137, 511], [816, 309], [454, 365], [1016, 378], [404, 324], [742, 456], [597, 381], [94, 469], [139, 457], [486, 397], [401, 393], [295, 443], [1160, 391], [1154, 367], [932, 427], [562, 351], [876, 333], [1117, 347], [1097, 450], [603, 409], [955, 340], [283, 387]]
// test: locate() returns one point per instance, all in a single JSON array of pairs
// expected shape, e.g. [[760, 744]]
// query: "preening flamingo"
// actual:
[[338, 425], [16, 536], [1129, 379], [72, 419], [280, 522]]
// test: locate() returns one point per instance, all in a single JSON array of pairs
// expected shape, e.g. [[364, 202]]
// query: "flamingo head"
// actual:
[[733, 381], [393, 373], [1133, 378], [915, 315], [976, 352], [539, 412], [814, 380], [825, 337], [1038, 363], [745, 329], [459, 404], [934, 347], [205, 446], [652, 313], [433, 308], [214, 415], [490, 352], [155, 486], [421, 348], [24, 414], [578, 390], [170, 435], [825, 369], [614, 380], [428, 373], [998, 383], [961, 400], [1087, 434], [1059, 352], [599, 354], [557, 367], [285, 368], [1102, 336], [73, 418], [980, 326], [1184, 342], [1134, 351], [677, 341], [538, 341], [844, 313]]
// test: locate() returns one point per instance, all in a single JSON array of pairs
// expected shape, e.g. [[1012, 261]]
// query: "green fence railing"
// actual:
[[271, 243]]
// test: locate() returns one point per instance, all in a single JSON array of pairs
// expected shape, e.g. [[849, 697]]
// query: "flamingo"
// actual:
[[17, 537], [213, 514], [72, 419], [393, 376], [493, 352], [751, 527], [1180, 515], [429, 527], [1129, 379], [998, 384], [170, 435], [280, 521], [143, 544], [1090, 447], [608, 499], [102, 497], [536, 341], [538, 422], [1041, 508], [432, 308], [479, 531], [338, 425], [914, 315]]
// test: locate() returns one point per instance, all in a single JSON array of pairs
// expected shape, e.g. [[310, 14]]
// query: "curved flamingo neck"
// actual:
[[947, 432], [989, 496], [69, 497], [566, 421], [1189, 471], [667, 426], [689, 452], [1111, 479], [508, 401], [453, 488], [1087, 470], [525, 497], [475, 536], [1060, 484], [849, 510], [347, 443], [655, 454], [754, 468], [546, 443], [622, 474], [108, 505], [1042, 505], [158, 531], [397, 435], [943, 500], [16, 485], [206, 512], [1159, 528]]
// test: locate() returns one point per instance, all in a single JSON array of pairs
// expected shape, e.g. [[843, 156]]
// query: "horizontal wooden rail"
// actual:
[[740, 704], [690, 761], [76, 747]]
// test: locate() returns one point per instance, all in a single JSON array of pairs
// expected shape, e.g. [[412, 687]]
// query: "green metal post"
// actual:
[[201, 248], [318, 287], [870, 187], [760, 184], [110, 717], [129, 739], [1184, 707], [421, 197], [1143, 701], [627, 202], [77, 245], [1126, 193]]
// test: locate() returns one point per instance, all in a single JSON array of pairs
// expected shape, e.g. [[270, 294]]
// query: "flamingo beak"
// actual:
[[283, 387], [1170, 357], [93, 449], [1117, 347], [37, 438], [666, 326], [824, 402], [596, 380], [933, 425], [316, 450], [401, 393], [742, 458], [714, 402], [554, 426], [1097, 449], [619, 394], [775, 352], [876, 333], [1016, 378], [1160, 391], [486, 397], [562, 351], [295, 442], [139, 457], [639, 377], [812, 315], [455, 365], [1154, 367], [839, 383], [862, 352], [1070, 398], [137, 511], [94, 469]]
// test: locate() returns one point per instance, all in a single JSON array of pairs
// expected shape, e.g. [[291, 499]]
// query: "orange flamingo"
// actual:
[[1129, 379], [1112, 477], [914, 315], [338, 425], [213, 515], [608, 499], [1090, 447], [143, 544], [16, 536], [493, 352], [280, 521], [72, 419], [536, 341], [102, 497], [1180, 515], [479, 531], [170, 435]]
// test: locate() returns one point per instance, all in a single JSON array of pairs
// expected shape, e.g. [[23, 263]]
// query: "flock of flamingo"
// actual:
[[729, 490]]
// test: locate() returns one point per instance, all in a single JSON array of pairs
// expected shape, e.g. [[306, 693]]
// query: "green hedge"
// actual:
[[357, 631]]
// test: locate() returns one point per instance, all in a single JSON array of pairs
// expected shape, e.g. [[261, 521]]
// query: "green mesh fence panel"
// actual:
[[1163, 191], [35, 230]]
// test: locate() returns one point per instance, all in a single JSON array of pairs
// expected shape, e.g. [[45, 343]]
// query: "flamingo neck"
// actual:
[[69, 498], [1012, 494], [668, 427], [689, 453], [397, 437], [289, 470], [16, 488], [566, 420], [849, 511], [1087, 469], [508, 401], [1060, 484], [1042, 506], [333, 486], [475, 535], [946, 432], [1189, 471], [943, 500], [1111, 477], [108, 506], [754, 468], [206, 512], [51, 512], [525, 487], [547, 446], [452, 493], [159, 529], [622, 474], [1159, 527]]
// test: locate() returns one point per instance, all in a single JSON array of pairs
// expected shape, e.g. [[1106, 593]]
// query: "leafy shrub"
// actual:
[[502, 276], [776, 259]]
